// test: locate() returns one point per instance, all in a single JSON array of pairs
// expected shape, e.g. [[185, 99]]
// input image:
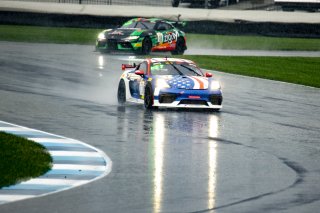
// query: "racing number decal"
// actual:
[[160, 38]]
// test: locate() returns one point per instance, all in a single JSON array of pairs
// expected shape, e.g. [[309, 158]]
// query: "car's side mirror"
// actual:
[[139, 72], [208, 75]]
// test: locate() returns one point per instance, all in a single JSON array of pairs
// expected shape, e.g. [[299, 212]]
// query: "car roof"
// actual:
[[155, 60], [147, 20]]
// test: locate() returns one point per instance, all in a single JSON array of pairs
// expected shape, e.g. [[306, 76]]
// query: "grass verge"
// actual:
[[88, 36], [252, 42], [298, 70], [21, 159]]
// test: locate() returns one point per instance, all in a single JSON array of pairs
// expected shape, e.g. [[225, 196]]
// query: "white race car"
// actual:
[[169, 82]]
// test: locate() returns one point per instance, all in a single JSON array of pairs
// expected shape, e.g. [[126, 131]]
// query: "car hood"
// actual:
[[121, 33], [187, 82]]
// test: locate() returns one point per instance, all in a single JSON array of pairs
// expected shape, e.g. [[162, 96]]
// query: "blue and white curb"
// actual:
[[74, 163]]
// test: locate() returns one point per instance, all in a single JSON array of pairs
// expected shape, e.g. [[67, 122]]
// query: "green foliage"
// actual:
[[21, 159]]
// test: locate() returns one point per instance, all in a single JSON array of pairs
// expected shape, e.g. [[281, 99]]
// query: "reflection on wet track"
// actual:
[[259, 154], [158, 140], [212, 160], [160, 129]]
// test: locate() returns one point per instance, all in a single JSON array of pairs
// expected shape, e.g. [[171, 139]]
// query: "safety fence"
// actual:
[[109, 2], [231, 4]]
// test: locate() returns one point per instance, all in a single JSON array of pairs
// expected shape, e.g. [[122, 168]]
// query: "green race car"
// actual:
[[143, 36]]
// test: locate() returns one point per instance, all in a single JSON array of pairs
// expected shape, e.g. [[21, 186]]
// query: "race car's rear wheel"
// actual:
[[148, 97], [146, 46], [180, 47], [121, 92]]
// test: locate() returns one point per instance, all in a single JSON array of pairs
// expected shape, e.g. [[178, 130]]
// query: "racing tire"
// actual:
[[148, 97], [180, 47], [146, 46], [121, 92], [175, 3]]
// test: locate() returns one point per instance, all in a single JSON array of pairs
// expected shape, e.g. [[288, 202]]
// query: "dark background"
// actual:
[[207, 27]]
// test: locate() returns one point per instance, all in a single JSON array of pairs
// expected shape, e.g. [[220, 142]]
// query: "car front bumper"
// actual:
[[188, 98], [117, 45]]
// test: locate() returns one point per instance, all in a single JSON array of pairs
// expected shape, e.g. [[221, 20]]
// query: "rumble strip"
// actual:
[[74, 163]]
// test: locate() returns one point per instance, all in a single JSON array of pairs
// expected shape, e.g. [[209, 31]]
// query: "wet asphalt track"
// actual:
[[259, 154]]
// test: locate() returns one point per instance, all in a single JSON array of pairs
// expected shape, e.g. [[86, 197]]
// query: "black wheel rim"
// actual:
[[146, 47]]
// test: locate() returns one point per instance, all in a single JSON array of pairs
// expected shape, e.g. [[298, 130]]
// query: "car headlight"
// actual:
[[101, 36], [161, 83], [131, 38], [215, 85]]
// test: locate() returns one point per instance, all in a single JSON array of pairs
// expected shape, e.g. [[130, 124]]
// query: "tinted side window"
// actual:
[[168, 26], [163, 26], [140, 25], [145, 25], [143, 67], [159, 26]]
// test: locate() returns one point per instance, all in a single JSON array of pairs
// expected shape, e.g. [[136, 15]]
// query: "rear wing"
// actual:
[[178, 23], [128, 66]]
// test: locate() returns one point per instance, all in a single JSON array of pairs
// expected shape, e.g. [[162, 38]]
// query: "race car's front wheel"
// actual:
[[121, 92], [146, 46], [180, 47], [148, 97]]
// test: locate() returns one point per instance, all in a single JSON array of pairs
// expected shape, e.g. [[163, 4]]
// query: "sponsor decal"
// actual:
[[194, 97], [170, 37]]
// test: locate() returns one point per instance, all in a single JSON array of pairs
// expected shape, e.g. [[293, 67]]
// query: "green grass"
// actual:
[[21, 159], [298, 70], [88, 36], [48, 34], [252, 42]]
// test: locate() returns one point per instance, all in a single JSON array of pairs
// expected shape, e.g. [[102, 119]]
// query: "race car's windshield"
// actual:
[[175, 68], [139, 24], [129, 25]]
